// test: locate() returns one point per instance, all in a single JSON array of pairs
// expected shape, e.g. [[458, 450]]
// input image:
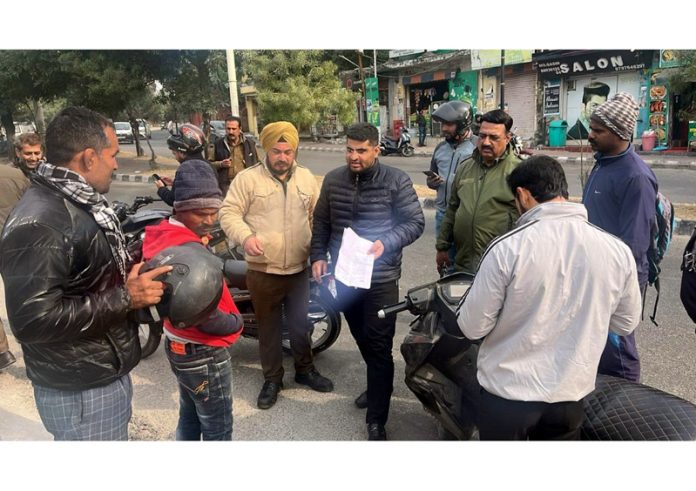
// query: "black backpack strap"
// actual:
[[657, 299]]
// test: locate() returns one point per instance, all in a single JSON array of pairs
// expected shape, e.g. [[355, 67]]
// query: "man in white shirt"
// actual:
[[545, 296]]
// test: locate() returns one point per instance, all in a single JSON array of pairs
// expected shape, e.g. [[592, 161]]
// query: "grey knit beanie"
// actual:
[[196, 186]]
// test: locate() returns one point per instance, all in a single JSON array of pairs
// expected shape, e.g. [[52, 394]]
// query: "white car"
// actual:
[[124, 133], [144, 129]]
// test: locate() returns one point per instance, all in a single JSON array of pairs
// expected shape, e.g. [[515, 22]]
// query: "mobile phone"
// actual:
[[157, 177], [431, 174]]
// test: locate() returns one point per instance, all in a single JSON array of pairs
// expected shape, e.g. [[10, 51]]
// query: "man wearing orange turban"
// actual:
[[268, 210]]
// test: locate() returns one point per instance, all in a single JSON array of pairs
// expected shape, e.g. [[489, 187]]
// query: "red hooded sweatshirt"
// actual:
[[163, 235]]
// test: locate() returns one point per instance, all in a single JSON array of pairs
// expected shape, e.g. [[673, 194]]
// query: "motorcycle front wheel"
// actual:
[[149, 336], [407, 150], [325, 325]]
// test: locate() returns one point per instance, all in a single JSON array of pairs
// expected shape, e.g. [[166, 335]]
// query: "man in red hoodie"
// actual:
[[198, 354]]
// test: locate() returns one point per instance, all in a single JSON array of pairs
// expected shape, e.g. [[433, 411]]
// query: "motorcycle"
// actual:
[[441, 372], [324, 319], [401, 145]]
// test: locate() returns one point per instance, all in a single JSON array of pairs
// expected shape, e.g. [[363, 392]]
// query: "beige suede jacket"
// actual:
[[278, 214]]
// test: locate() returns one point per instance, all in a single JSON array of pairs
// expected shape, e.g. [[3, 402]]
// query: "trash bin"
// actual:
[[649, 139], [557, 133]]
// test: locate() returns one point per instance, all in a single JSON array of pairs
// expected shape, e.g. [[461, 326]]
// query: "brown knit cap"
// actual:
[[619, 114]]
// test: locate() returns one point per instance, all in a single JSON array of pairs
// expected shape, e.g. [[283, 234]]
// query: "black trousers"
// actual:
[[374, 338], [503, 419]]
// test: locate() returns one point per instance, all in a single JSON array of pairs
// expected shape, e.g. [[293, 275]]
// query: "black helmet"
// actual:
[[192, 290], [454, 112], [190, 139]]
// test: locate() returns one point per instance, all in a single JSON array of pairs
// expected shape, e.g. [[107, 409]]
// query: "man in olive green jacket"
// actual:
[[13, 183], [481, 206]]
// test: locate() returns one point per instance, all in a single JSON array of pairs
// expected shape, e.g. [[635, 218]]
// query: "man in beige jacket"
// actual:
[[268, 210]]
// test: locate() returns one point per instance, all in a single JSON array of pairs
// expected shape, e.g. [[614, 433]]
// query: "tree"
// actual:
[[684, 82], [29, 78], [298, 86]]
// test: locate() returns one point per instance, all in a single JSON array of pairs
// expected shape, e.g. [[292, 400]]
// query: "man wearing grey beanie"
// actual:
[[620, 198]]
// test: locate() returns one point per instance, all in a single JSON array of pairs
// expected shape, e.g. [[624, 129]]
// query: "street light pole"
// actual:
[[232, 78], [364, 91], [502, 79]]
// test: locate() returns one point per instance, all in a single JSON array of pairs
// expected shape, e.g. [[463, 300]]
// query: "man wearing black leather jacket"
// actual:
[[379, 203], [70, 286]]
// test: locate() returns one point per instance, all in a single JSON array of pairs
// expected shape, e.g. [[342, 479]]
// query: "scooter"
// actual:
[[401, 145], [441, 372], [323, 318]]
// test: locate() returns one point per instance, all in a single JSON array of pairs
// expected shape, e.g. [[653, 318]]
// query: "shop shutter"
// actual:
[[520, 97]]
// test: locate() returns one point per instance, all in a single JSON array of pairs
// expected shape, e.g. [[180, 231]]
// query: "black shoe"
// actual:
[[315, 381], [269, 394], [6, 359], [361, 400], [376, 431]]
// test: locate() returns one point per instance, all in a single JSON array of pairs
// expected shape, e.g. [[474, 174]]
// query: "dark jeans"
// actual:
[[205, 392], [503, 419], [374, 338], [439, 216], [270, 294], [421, 135], [620, 355]]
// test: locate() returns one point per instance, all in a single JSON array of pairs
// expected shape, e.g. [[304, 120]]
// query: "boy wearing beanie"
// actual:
[[198, 354]]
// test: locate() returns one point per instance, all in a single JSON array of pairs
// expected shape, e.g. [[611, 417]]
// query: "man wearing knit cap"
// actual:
[[268, 210], [620, 198], [198, 354]]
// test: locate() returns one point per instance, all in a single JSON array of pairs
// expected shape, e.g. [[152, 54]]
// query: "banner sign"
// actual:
[[594, 62], [552, 99]]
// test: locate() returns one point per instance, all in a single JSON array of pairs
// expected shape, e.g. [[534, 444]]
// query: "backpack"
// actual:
[[688, 282], [661, 232]]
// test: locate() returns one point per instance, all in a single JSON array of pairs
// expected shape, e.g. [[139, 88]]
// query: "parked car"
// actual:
[[124, 133], [218, 129]]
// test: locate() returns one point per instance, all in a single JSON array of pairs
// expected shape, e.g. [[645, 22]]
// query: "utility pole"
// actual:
[[502, 79], [374, 62], [363, 116], [232, 78]]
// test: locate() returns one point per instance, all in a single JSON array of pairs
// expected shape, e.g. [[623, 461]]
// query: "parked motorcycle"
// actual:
[[323, 317], [401, 145], [441, 372]]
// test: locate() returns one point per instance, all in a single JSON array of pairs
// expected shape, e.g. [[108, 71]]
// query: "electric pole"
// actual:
[[232, 77]]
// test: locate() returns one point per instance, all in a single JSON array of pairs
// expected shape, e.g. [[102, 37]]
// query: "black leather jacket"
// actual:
[[378, 204], [66, 301]]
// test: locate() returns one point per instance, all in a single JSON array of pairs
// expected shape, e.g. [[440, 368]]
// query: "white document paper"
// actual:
[[354, 265]]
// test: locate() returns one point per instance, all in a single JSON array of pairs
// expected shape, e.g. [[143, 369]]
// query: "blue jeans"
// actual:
[[204, 375]]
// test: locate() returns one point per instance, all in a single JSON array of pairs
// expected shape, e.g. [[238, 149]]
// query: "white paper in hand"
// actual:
[[354, 265]]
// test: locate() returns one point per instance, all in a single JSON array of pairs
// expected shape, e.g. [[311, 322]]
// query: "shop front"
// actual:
[[576, 83]]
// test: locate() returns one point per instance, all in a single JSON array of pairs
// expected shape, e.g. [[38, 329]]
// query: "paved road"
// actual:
[[677, 184]]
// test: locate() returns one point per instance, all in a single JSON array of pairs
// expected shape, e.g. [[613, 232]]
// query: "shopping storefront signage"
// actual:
[[490, 58], [594, 62], [552, 99], [372, 100]]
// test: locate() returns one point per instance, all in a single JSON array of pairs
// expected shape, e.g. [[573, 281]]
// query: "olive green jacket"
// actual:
[[481, 207]]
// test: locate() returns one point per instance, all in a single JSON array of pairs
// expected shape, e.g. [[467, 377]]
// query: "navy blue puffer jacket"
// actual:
[[378, 204]]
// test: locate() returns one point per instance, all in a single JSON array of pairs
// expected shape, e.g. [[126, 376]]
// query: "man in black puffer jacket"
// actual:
[[379, 203], [67, 285]]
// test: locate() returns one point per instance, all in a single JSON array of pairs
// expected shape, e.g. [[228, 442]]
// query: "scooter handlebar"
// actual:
[[392, 309]]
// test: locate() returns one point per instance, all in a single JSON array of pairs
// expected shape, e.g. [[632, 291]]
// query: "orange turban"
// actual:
[[274, 132]]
